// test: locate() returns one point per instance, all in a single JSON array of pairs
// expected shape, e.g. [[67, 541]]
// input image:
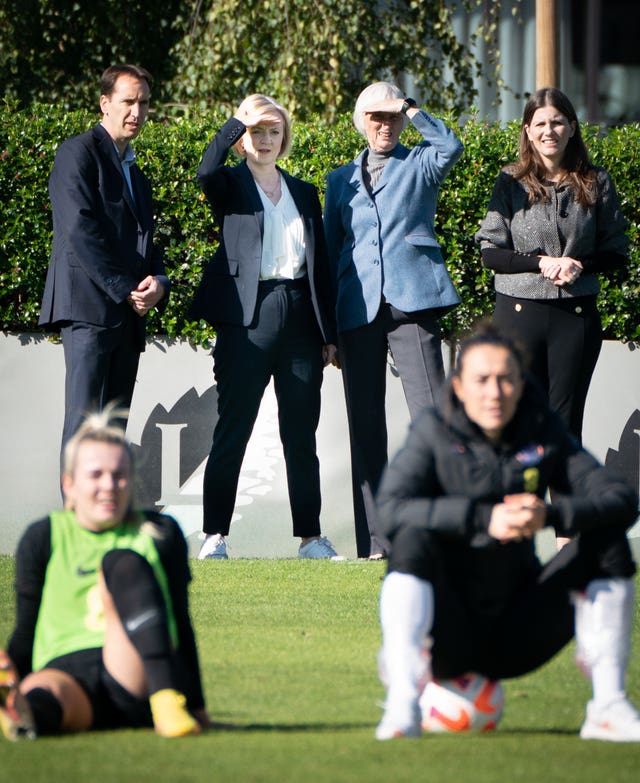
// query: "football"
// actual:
[[467, 703]]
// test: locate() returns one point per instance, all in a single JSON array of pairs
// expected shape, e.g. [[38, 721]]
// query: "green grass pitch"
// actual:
[[288, 654]]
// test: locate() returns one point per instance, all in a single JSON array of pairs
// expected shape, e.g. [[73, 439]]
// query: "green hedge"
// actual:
[[170, 154]]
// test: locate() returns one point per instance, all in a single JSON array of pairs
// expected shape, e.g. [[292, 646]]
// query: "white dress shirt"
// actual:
[[283, 241]]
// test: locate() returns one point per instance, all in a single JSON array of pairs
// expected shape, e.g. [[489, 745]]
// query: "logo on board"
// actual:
[[626, 458]]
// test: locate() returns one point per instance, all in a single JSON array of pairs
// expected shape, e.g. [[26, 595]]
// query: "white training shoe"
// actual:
[[395, 727], [618, 721], [214, 547], [319, 549]]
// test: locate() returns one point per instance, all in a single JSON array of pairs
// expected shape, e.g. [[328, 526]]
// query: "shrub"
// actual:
[[170, 153]]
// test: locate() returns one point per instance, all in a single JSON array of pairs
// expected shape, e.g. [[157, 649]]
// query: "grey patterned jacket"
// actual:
[[559, 227]]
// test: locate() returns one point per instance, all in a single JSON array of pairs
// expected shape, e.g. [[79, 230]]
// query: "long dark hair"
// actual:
[[575, 163]]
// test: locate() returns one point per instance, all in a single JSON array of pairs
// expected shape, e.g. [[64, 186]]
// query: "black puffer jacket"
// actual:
[[448, 476]]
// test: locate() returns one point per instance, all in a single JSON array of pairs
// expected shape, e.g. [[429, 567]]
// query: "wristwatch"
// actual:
[[408, 104]]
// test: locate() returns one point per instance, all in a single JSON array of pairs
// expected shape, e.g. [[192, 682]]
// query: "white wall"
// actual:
[[31, 412], [174, 435]]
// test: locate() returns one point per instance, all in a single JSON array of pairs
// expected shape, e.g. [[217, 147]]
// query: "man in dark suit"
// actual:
[[105, 273]]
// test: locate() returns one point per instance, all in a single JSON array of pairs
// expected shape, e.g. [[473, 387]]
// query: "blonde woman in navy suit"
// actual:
[[390, 279], [267, 293]]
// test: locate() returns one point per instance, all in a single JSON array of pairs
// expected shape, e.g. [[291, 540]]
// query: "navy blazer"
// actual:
[[386, 245], [102, 241], [229, 287]]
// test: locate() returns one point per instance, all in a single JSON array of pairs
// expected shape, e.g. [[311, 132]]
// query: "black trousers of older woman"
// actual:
[[497, 629], [415, 345], [283, 342]]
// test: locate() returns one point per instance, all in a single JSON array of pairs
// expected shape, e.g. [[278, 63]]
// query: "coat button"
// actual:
[[578, 309], [518, 307]]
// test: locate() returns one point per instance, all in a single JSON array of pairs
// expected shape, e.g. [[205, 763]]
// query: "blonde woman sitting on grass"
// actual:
[[103, 637]]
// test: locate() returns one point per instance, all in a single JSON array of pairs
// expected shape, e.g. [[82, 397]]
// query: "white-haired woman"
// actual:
[[390, 278], [102, 637], [267, 293]]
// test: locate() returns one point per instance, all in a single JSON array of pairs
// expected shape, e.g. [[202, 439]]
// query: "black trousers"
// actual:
[[101, 366], [283, 342], [535, 618], [415, 345], [563, 338]]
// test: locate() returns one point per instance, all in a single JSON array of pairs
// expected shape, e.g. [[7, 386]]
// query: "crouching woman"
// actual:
[[465, 592]]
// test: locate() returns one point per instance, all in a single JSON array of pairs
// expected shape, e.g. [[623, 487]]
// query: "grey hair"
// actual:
[[374, 93]]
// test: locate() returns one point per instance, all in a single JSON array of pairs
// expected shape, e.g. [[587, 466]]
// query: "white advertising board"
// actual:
[[172, 418]]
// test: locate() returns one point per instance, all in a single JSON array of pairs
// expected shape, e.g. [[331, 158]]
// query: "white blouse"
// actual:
[[283, 241]]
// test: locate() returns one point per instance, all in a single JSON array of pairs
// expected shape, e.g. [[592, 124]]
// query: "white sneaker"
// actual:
[[395, 727], [319, 549], [214, 547], [405, 722], [618, 721]]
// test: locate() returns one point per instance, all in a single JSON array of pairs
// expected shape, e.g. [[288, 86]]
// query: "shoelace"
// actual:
[[324, 544]]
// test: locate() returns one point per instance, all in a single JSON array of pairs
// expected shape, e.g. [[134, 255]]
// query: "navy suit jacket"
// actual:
[[102, 241], [386, 245], [228, 291]]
